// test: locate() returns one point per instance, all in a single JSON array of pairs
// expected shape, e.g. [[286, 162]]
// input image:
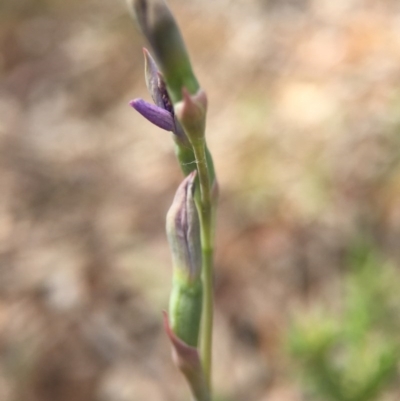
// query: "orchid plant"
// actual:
[[180, 106]]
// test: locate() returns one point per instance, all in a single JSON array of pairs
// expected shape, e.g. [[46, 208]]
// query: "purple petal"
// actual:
[[158, 116]]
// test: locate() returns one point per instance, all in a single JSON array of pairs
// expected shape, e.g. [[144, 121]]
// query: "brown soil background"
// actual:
[[304, 113]]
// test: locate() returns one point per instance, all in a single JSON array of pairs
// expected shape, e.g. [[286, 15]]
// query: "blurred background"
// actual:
[[304, 117]]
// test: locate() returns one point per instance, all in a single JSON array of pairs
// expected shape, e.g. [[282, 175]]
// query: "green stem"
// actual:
[[207, 240], [199, 149], [207, 319]]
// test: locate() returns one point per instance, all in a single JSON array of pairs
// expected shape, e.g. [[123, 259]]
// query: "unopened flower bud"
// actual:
[[158, 25], [183, 231]]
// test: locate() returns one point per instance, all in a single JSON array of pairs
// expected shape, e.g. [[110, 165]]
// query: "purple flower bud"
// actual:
[[155, 114], [183, 230]]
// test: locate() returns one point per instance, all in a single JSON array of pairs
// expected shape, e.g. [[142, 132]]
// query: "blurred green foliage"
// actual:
[[352, 355]]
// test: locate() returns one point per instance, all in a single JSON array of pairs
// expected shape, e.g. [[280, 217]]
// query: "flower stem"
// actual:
[[207, 322], [207, 241]]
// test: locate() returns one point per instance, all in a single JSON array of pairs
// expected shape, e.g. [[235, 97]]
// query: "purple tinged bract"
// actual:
[[191, 113], [155, 83]]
